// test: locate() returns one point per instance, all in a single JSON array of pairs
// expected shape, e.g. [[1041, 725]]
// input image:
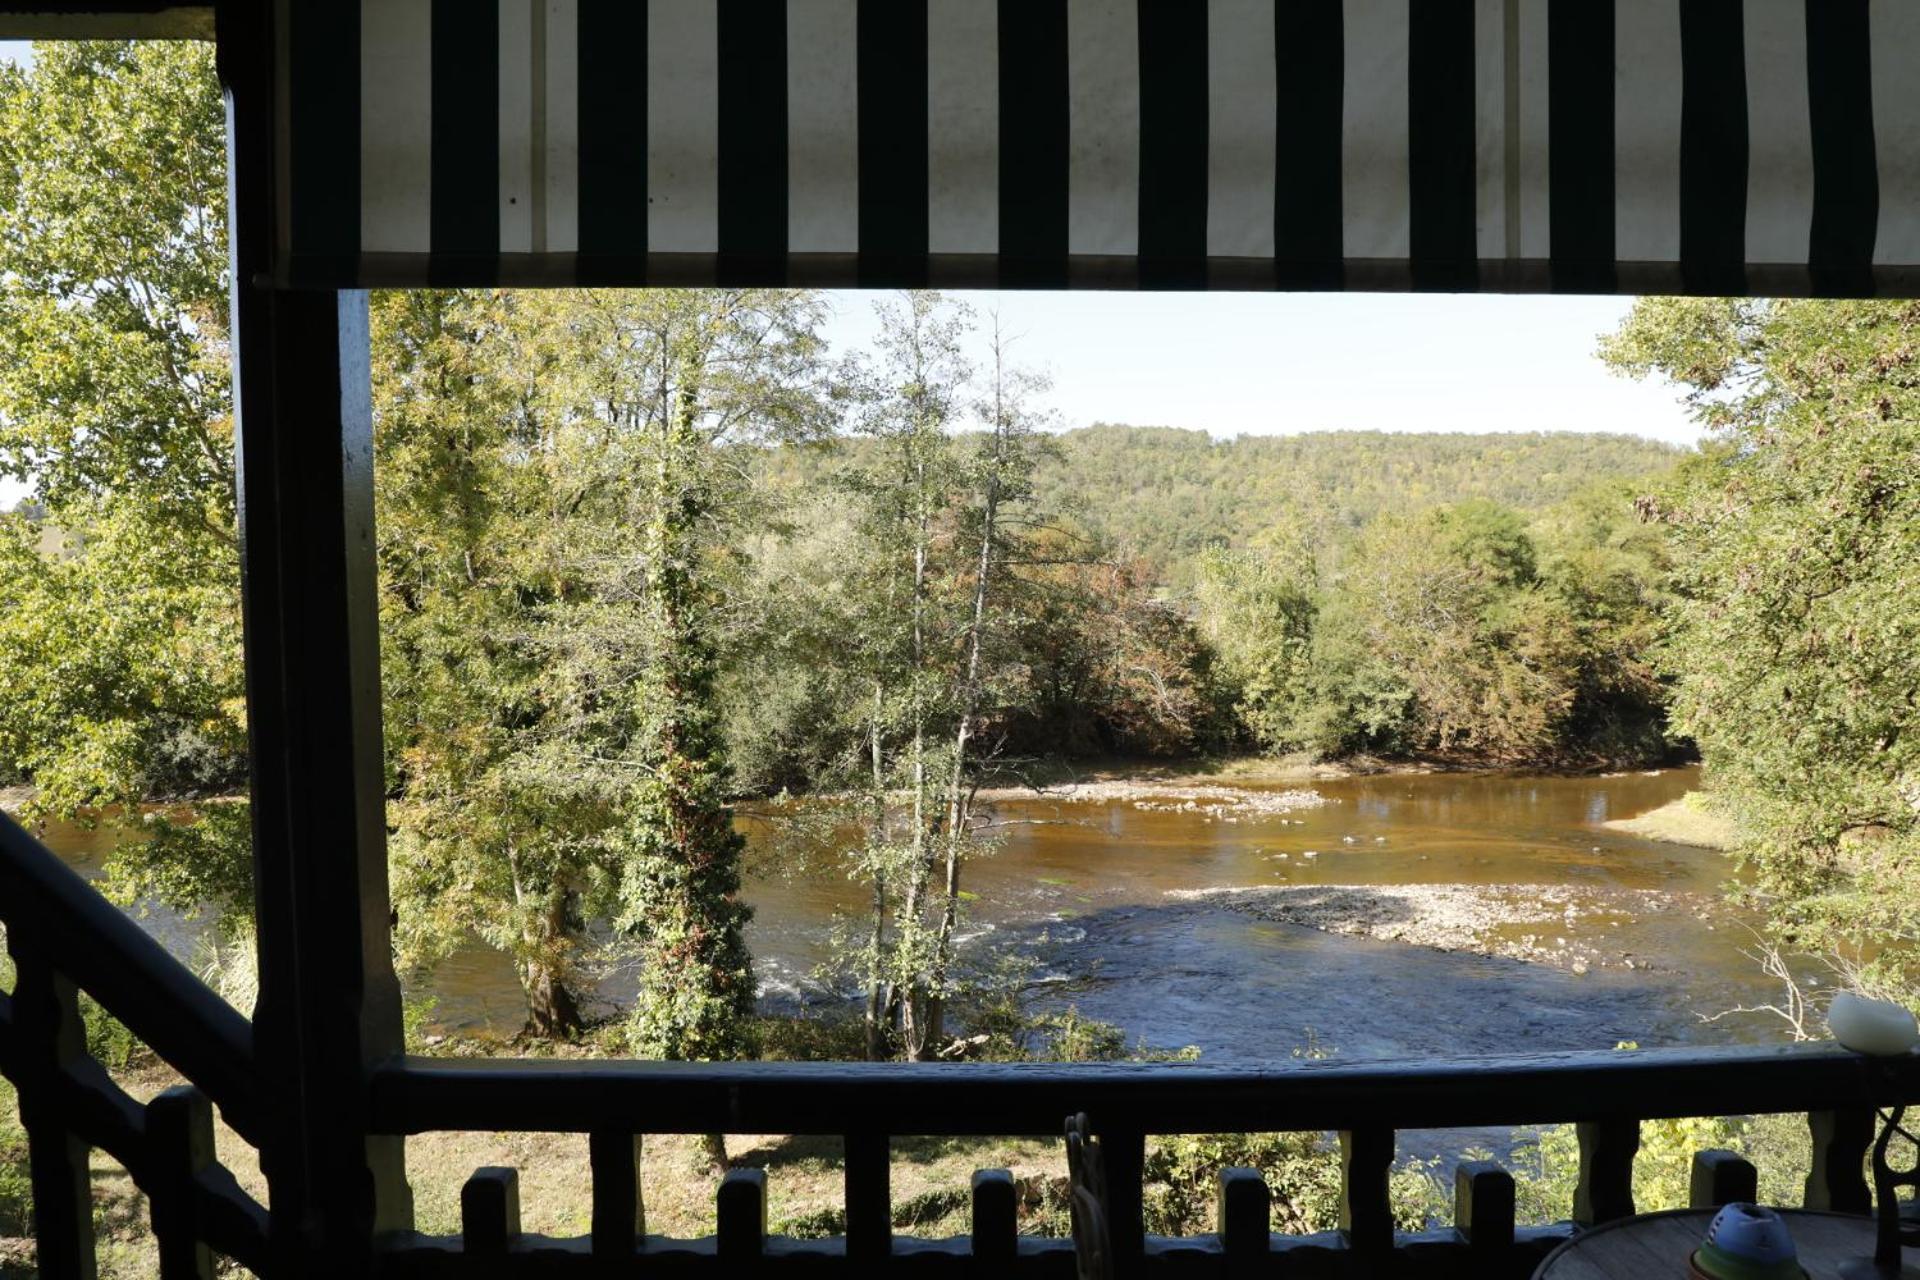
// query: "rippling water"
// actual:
[[1083, 887]]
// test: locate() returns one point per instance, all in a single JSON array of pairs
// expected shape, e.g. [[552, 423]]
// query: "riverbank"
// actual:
[[1527, 922], [1684, 821], [1115, 779]]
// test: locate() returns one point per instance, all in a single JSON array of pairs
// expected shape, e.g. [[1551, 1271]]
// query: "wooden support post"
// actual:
[[1837, 1181], [180, 1132], [1483, 1209], [329, 1004], [1243, 1215], [869, 1196], [51, 1039], [996, 1221], [1366, 1204], [1125, 1154], [1721, 1177], [619, 1201], [742, 1208], [1605, 1189], [490, 1212]]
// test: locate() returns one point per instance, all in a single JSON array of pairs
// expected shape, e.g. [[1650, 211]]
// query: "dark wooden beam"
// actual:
[[423, 1095], [329, 1005]]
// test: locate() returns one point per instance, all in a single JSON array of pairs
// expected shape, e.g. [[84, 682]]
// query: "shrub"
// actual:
[[1302, 1171]]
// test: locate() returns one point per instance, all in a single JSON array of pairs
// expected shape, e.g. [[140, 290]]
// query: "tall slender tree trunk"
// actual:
[[877, 971], [959, 792], [914, 1004]]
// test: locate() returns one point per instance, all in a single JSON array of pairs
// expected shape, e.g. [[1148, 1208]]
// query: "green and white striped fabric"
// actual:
[[1721, 146]]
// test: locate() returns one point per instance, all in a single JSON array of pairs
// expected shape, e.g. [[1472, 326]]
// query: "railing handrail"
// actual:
[[419, 1095], [103, 952]]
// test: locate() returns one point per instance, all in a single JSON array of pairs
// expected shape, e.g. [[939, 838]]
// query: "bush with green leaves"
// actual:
[[1302, 1172], [16, 1189]]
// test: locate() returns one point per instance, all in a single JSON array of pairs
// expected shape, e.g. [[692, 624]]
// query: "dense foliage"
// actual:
[[1166, 495], [1797, 566], [1469, 631], [120, 674]]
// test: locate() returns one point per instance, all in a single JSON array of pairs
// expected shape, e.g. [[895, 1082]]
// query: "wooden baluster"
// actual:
[[1721, 1177], [1124, 1152], [180, 1134], [1605, 1189], [869, 1196], [51, 1038], [1366, 1206], [996, 1226], [619, 1203], [742, 1231], [1243, 1215], [490, 1212], [1483, 1211], [1837, 1182]]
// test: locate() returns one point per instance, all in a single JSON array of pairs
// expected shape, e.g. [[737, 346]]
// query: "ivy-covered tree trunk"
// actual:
[[683, 893]]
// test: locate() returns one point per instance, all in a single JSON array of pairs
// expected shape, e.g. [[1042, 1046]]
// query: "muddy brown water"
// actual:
[[1083, 888]]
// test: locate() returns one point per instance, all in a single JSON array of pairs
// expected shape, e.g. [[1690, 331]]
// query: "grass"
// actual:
[[1686, 821]]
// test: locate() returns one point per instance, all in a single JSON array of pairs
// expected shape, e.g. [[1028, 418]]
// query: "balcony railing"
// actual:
[[65, 938]]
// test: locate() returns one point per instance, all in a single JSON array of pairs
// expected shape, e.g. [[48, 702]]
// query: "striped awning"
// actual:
[[1718, 146]]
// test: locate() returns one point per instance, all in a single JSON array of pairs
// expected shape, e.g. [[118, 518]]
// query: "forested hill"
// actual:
[[1166, 494]]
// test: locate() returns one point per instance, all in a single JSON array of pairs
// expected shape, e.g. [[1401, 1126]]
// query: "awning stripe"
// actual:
[[1531, 148], [1648, 76], [1895, 39], [1582, 122], [1174, 169], [520, 47], [753, 131], [1779, 194], [963, 127], [465, 134], [323, 127], [823, 126], [1442, 145], [1699, 145], [1494, 86], [683, 126], [1310, 84], [1242, 133], [1713, 146], [559, 169], [892, 58], [1846, 189], [1375, 157], [1035, 132], [614, 127], [396, 115], [1103, 169]]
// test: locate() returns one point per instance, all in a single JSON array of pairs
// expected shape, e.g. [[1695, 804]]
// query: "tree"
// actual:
[[120, 661], [1257, 608], [560, 519], [666, 383], [1796, 567], [910, 406], [496, 834]]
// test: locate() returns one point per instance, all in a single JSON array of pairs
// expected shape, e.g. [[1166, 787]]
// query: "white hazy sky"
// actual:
[[1263, 364]]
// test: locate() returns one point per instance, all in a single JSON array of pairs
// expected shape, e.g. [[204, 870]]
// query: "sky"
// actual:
[[1262, 364]]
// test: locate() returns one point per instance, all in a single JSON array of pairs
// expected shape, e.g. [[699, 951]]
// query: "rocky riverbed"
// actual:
[[1518, 921]]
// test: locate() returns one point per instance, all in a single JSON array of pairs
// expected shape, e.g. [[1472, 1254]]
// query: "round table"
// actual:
[[1654, 1246]]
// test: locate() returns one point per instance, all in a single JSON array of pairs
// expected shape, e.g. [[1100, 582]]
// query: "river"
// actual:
[[1093, 890]]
